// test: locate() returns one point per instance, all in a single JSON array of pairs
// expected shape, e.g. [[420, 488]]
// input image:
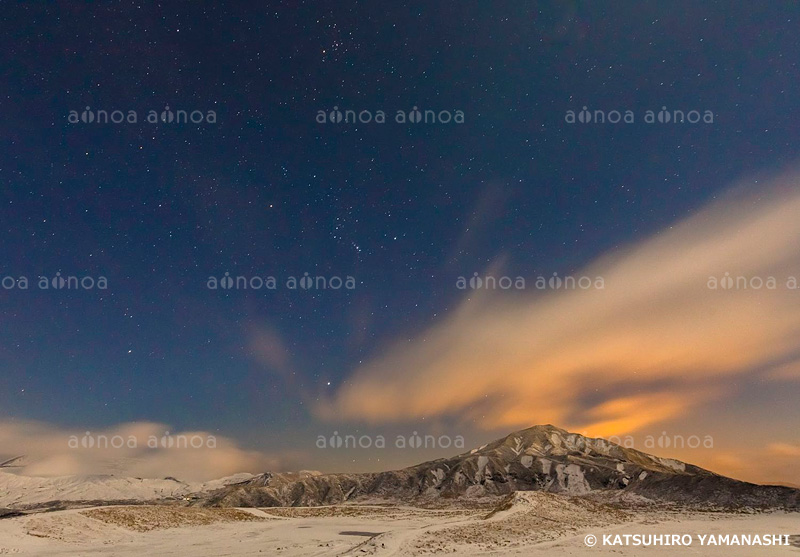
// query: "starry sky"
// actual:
[[405, 209]]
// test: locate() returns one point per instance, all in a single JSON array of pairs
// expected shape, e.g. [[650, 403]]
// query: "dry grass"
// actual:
[[149, 517], [366, 512], [523, 520]]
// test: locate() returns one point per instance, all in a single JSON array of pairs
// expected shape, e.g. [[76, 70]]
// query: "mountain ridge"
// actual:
[[538, 458]]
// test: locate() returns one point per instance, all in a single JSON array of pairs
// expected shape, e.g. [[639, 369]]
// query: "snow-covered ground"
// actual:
[[16, 490], [530, 524]]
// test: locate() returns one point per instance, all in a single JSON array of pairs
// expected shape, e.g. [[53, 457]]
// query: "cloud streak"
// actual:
[[650, 346]]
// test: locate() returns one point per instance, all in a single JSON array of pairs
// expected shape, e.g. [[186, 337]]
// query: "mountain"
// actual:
[[15, 462], [31, 492], [540, 458]]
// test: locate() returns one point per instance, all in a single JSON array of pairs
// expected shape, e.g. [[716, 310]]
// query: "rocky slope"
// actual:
[[540, 458]]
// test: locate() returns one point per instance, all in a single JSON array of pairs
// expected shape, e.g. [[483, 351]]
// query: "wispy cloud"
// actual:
[[785, 450], [266, 346], [653, 344]]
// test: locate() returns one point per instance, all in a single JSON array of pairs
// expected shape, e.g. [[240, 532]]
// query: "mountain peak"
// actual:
[[538, 458]]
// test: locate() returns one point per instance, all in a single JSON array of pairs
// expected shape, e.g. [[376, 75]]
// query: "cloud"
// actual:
[[786, 372], [651, 345], [490, 206], [266, 346], [137, 449], [785, 450], [779, 467]]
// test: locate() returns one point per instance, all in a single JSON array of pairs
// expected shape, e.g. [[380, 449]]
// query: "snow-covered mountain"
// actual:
[[23, 492], [540, 458]]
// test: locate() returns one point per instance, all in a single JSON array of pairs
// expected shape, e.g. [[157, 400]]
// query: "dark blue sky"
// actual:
[[403, 208]]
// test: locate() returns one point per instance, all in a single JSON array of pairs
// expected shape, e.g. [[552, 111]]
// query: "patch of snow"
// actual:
[[482, 462], [571, 479], [674, 464]]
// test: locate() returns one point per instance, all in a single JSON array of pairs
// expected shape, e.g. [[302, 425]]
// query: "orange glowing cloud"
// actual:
[[785, 449], [664, 334]]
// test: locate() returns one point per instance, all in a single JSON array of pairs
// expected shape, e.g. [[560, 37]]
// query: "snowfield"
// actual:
[[533, 523], [539, 491]]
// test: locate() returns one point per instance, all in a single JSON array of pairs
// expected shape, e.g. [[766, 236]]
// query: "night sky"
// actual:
[[403, 208]]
